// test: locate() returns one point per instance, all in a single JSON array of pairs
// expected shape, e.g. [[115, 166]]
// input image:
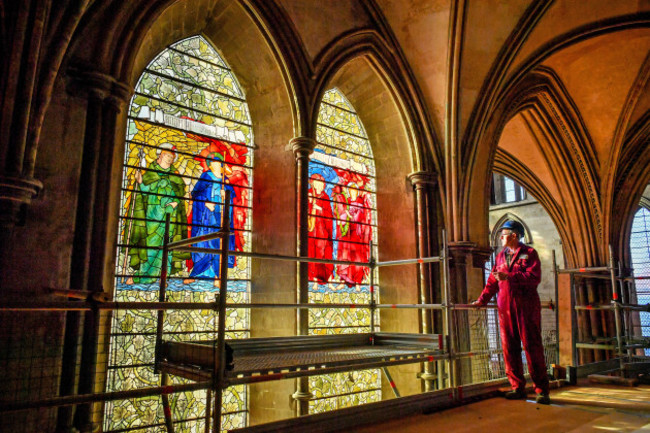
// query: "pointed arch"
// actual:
[[632, 176], [342, 226], [398, 86], [508, 216], [507, 165], [556, 124], [189, 142]]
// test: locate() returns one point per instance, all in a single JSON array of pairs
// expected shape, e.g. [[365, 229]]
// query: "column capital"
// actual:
[[120, 94], [302, 147], [85, 80], [16, 192], [422, 179]]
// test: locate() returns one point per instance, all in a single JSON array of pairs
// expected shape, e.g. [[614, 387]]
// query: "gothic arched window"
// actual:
[[640, 253], [188, 140], [342, 226]]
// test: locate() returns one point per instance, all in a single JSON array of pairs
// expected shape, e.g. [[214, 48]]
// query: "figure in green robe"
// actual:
[[161, 192]]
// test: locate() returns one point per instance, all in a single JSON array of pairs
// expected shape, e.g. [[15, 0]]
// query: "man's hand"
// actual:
[[500, 276], [172, 204], [210, 206], [477, 304]]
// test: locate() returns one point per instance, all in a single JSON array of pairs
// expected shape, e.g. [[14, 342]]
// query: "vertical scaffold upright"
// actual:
[[622, 343], [430, 349]]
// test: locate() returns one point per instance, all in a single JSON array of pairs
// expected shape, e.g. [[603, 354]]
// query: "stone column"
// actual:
[[424, 183], [105, 98], [302, 147]]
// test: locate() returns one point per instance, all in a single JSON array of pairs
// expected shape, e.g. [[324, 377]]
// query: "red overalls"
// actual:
[[519, 316]]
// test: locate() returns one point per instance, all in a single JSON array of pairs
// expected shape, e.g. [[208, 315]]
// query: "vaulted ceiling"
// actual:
[[558, 86]]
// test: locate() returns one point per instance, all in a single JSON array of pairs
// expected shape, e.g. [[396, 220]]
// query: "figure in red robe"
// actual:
[[320, 230], [353, 216]]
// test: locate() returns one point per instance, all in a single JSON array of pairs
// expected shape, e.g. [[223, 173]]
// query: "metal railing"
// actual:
[[458, 365]]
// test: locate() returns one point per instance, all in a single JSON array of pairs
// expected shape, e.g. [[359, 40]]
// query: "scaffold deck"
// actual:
[[264, 359]]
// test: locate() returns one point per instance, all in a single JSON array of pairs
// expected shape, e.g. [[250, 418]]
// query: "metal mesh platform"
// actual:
[[256, 360]]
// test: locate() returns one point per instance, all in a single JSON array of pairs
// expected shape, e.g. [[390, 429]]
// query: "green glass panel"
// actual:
[[177, 95], [182, 67], [200, 48]]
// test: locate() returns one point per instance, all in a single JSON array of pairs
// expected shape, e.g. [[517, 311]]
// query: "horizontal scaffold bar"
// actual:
[[86, 306], [632, 307], [584, 270], [69, 400], [300, 306], [275, 257], [203, 238], [598, 346], [594, 276], [183, 246], [641, 278], [415, 306], [409, 261], [544, 305]]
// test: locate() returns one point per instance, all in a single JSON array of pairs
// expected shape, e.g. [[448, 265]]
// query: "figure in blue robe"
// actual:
[[208, 194]]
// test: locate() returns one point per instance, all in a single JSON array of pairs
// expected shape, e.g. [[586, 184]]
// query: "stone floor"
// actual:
[[578, 409]]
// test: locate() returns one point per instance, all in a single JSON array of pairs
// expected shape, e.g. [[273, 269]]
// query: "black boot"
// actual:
[[517, 394]]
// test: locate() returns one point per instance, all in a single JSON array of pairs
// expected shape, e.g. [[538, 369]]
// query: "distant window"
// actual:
[[510, 188], [506, 190]]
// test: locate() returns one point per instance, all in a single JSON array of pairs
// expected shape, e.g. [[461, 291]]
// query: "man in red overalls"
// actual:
[[515, 275]]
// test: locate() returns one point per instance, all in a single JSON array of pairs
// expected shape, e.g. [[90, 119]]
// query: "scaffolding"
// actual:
[[213, 365], [266, 359], [625, 345]]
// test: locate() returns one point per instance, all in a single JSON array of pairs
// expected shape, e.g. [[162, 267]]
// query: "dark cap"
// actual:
[[515, 227]]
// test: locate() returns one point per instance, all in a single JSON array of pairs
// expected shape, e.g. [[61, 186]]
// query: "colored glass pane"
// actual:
[[188, 141], [342, 226]]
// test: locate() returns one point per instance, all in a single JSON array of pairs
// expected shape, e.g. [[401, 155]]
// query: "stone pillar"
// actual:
[[424, 183], [302, 147], [105, 98]]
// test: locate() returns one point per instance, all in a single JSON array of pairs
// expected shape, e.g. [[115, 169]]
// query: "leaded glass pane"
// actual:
[[640, 252], [188, 141], [342, 226]]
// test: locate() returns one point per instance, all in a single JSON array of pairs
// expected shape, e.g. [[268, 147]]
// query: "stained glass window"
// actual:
[[640, 252], [188, 140], [342, 226]]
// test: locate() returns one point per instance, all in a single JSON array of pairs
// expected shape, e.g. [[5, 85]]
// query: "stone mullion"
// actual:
[[25, 23], [92, 321], [26, 86], [302, 147], [423, 183], [63, 22], [89, 247], [81, 252]]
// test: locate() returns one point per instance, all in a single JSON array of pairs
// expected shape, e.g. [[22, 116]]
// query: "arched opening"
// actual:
[[640, 258], [189, 140], [342, 226]]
